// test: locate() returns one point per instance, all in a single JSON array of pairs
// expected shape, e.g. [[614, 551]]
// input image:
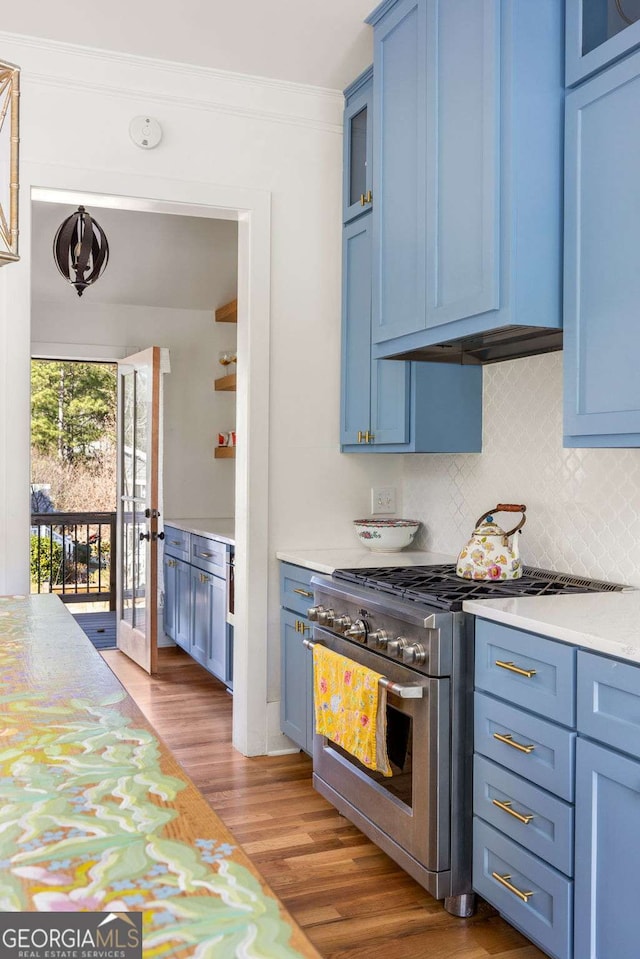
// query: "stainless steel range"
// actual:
[[407, 624]]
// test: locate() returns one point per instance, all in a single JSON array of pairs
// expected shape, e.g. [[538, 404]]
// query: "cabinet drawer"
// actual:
[[296, 592], [540, 751], [177, 543], [540, 822], [210, 555], [609, 702], [546, 915], [526, 670]]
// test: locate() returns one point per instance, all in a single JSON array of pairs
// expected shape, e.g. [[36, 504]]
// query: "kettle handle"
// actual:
[[506, 508]]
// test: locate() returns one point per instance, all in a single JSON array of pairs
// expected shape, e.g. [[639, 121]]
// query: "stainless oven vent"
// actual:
[[550, 575]]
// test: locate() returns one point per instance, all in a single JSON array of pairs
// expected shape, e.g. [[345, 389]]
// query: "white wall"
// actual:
[[195, 484], [583, 506], [222, 135]]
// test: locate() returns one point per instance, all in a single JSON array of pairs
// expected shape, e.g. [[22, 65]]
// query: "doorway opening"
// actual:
[[255, 718], [73, 490]]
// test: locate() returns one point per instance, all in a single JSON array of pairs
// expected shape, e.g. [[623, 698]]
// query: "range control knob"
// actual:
[[395, 646], [314, 612], [325, 618], [378, 639], [341, 623], [357, 631], [414, 654]]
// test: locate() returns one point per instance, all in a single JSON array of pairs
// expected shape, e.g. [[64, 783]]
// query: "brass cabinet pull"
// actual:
[[302, 592], [360, 436], [176, 542], [516, 669], [369, 437], [363, 199], [525, 896], [510, 741], [506, 807], [204, 578], [301, 627], [369, 197]]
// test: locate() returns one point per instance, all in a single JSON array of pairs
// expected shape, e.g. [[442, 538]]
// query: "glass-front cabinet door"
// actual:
[[599, 32], [357, 187]]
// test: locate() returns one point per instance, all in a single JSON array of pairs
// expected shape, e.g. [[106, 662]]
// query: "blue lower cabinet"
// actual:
[[609, 702], [208, 618], [607, 853], [229, 658], [534, 897], [296, 704], [541, 752], [536, 819], [177, 601]]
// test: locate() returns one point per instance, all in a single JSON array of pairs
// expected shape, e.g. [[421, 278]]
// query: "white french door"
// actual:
[[137, 506]]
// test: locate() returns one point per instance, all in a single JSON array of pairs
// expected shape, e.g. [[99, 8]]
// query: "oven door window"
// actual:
[[400, 753]]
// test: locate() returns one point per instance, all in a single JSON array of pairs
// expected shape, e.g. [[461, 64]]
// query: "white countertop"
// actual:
[[604, 622], [328, 560], [221, 528]]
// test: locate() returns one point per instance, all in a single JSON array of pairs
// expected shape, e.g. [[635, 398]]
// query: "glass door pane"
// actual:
[[358, 156], [603, 19]]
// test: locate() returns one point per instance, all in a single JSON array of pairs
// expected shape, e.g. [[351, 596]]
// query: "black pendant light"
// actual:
[[80, 250]]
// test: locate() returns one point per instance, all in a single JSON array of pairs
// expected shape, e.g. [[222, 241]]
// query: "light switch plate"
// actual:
[[383, 500]]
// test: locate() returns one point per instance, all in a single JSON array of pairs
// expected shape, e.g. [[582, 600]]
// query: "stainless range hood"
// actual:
[[492, 346]]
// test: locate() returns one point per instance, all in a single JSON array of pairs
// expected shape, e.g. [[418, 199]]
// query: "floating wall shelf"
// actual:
[[228, 313], [226, 383], [225, 452]]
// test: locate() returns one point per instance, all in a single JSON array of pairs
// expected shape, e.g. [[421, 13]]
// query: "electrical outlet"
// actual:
[[383, 500]]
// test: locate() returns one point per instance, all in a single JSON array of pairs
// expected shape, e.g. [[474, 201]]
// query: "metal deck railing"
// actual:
[[74, 556]]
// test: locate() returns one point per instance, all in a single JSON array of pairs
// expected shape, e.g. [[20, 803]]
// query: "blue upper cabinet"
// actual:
[[357, 190], [392, 406], [602, 279], [467, 178], [598, 33], [375, 393]]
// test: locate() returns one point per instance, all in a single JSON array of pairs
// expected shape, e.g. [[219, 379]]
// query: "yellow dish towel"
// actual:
[[351, 708]]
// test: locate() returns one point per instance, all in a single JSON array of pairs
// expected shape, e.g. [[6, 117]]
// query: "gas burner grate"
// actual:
[[439, 586]]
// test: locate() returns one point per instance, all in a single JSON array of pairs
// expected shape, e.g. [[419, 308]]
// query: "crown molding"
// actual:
[[192, 103], [172, 66], [303, 96]]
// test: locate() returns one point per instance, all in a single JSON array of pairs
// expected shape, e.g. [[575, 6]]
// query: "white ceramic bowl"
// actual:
[[386, 535]]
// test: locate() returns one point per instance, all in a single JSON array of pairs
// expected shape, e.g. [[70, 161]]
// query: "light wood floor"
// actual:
[[352, 901]]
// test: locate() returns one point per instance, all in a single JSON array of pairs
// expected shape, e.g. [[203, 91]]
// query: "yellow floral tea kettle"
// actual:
[[488, 554]]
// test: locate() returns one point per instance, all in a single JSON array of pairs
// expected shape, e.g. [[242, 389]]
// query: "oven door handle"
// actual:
[[404, 691]]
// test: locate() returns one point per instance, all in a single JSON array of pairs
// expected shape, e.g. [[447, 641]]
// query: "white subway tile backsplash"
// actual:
[[583, 506]]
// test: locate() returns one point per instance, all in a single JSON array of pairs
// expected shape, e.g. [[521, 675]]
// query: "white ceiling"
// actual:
[[156, 260], [319, 42]]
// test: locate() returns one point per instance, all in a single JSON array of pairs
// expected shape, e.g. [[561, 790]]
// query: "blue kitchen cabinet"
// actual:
[[297, 681], [296, 661], [602, 280], [358, 144], [599, 32], [467, 179], [393, 405], [177, 601], [607, 808], [559, 863], [196, 595], [208, 622], [524, 776], [607, 853]]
